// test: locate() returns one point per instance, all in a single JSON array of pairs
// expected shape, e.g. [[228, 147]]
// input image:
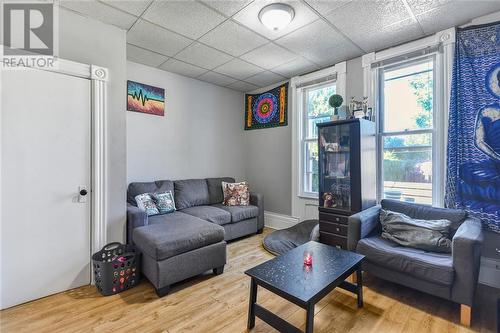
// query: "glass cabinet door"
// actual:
[[335, 172]]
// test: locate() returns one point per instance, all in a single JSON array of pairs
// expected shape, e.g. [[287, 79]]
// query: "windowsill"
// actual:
[[309, 196]]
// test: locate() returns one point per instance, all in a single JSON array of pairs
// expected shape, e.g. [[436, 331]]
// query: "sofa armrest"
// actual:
[[466, 252], [257, 199], [135, 218], [361, 225]]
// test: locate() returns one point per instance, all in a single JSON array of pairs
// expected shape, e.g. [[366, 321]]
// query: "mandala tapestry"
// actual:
[[473, 169], [268, 109]]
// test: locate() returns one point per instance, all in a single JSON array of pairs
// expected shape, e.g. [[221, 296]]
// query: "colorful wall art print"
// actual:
[[146, 99], [269, 109]]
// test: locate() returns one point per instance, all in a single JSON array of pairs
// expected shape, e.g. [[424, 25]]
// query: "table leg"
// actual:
[[359, 278], [251, 304], [310, 318]]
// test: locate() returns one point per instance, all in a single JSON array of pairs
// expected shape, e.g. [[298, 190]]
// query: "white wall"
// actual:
[[200, 135], [267, 161], [91, 42], [268, 156], [354, 80]]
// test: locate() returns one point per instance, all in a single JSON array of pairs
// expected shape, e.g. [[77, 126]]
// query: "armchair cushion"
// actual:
[[429, 266]]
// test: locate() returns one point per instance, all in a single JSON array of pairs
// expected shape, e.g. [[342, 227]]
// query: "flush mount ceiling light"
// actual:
[[276, 16]]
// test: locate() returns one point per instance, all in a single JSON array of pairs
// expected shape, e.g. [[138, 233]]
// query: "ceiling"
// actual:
[[223, 41]]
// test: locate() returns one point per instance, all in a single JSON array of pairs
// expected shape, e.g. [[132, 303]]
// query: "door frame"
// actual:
[[98, 77]]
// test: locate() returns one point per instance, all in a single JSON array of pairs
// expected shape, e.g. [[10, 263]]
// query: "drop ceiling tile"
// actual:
[[101, 12], [238, 69], [242, 86], [233, 38], [295, 67], [421, 6], [249, 16], [188, 18], [144, 57], [454, 14], [326, 6], [182, 68], [152, 37], [265, 79], [227, 7], [359, 17], [203, 56], [269, 56], [320, 43], [216, 78], [135, 7], [388, 36]]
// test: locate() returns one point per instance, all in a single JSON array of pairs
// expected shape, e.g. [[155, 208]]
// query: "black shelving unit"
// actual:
[[347, 175]]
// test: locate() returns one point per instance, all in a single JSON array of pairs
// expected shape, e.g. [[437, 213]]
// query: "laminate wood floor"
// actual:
[[219, 304]]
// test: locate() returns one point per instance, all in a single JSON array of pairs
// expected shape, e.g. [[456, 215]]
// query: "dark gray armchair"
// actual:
[[452, 276]]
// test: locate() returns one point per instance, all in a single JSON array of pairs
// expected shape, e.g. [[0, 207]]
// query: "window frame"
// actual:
[[437, 131], [305, 138], [306, 207]]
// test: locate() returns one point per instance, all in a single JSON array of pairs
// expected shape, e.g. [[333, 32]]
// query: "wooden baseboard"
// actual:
[[465, 315], [279, 221]]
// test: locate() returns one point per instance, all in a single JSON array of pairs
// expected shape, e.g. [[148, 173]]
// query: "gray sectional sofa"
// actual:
[[192, 239]]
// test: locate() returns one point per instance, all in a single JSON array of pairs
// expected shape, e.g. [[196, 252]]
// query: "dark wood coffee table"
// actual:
[[302, 285]]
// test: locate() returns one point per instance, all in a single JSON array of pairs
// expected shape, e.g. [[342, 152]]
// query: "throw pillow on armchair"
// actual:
[[428, 235]]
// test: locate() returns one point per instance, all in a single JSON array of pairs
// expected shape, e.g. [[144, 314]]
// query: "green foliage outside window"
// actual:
[[403, 165], [317, 102]]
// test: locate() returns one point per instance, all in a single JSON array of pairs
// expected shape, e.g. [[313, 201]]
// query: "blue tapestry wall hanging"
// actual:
[[473, 169], [269, 109]]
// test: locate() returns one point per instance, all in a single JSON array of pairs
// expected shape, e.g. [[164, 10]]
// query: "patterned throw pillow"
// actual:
[[164, 202], [145, 202], [236, 194]]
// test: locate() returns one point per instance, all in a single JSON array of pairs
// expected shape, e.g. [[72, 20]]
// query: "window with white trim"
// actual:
[[315, 109], [406, 130]]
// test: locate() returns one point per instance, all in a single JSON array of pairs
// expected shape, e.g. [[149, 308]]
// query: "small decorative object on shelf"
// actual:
[[359, 109], [328, 200], [308, 258], [335, 101], [346, 150]]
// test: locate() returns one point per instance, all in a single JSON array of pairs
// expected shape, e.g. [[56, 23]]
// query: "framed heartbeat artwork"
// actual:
[[146, 99]]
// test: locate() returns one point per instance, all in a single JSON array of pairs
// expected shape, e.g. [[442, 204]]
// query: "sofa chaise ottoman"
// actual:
[[191, 240]]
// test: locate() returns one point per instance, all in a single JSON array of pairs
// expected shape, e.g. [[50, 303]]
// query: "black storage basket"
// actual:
[[116, 268]]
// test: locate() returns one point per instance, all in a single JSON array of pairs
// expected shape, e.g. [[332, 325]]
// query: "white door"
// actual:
[[45, 158]]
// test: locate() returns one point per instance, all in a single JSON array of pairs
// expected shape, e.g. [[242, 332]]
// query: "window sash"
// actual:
[[381, 133], [381, 87], [307, 137], [305, 110]]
